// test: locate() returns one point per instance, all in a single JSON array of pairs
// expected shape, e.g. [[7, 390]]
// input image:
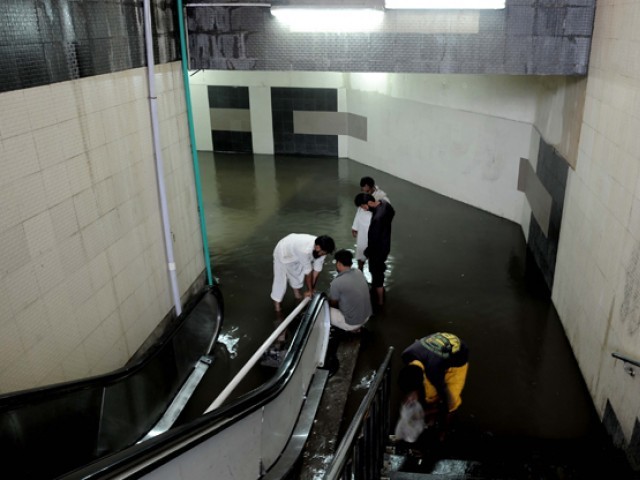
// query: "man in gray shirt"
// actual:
[[349, 295]]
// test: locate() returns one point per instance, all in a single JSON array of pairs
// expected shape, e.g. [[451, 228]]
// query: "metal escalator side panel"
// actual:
[[231, 442]]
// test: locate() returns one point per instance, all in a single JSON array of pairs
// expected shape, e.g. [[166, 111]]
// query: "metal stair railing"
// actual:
[[360, 454]]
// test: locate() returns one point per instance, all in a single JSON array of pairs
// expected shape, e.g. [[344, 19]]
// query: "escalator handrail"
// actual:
[[144, 457], [19, 399], [255, 357]]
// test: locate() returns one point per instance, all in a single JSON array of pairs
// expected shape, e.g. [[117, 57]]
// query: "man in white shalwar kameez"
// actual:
[[362, 219], [298, 259]]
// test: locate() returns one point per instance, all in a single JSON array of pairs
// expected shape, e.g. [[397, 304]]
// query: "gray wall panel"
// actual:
[[527, 37]]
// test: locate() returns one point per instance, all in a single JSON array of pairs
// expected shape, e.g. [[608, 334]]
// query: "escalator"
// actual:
[[49, 431], [257, 434]]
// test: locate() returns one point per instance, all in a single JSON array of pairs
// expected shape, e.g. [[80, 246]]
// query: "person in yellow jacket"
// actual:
[[435, 372]]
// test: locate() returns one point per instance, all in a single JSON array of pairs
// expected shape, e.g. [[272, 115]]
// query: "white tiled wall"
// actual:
[[82, 261], [597, 282]]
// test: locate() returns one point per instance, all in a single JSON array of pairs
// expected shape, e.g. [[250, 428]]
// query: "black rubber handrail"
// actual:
[[159, 450]]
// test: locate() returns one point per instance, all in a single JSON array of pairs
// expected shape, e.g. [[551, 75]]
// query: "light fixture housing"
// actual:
[[445, 4], [329, 15]]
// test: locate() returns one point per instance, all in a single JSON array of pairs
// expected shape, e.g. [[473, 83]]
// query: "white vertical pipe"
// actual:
[[157, 150]]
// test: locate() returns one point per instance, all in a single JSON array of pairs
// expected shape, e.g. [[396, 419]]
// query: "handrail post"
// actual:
[[354, 453]]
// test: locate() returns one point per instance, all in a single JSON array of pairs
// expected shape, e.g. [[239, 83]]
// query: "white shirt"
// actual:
[[298, 248]]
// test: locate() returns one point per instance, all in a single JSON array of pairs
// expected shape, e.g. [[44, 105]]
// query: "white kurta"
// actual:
[[361, 225], [292, 260]]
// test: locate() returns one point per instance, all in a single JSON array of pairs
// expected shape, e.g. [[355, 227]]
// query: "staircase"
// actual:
[[507, 459]]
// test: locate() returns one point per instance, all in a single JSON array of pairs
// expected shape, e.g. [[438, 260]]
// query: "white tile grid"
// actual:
[[12, 348], [145, 294], [142, 116], [129, 312], [126, 212], [89, 95], [56, 184], [63, 217], [134, 151], [62, 316], [86, 207], [75, 364], [633, 226], [67, 98], [126, 251], [49, 145], [72, 254], [115, 358], [112, 228], [87, 317], [93, 130], [17, 376], [106, 300], [78, 173], [49, 271], [14, 253], [19, 158], [10, 211], [6, 313], [33, 324], [122, 185], [105, 196], [183, 132], [100, 341], [41, 107], [112, 129], [99, 162], [631, 142], [165, 107], [620, 200], [93, 238], [73, 144], [83, 213], [109, 88], [99, 270], [124, 285], [79, 287], [42, 357], [124, 88], [55, 375], [15, 116]]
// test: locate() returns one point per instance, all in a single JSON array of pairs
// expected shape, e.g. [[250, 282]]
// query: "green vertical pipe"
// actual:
[[192, 137]]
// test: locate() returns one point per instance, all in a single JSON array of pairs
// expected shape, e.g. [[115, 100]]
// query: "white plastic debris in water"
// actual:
[[365, 382], [229, 340]]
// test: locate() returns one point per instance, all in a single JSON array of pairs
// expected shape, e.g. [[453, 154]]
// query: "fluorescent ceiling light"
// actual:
[[445, 4], [303, 19]]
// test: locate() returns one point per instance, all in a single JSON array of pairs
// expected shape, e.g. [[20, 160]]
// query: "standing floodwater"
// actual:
[[452, 268]]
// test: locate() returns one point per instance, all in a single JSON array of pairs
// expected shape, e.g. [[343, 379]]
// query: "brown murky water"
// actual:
[[452, 268]]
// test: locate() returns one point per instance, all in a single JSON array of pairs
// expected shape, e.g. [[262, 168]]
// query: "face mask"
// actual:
[[316, 254]]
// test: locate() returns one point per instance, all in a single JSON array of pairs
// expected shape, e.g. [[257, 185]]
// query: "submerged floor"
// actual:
[[452, 268]]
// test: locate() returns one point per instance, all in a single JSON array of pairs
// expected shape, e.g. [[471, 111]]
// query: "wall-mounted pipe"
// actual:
[[157, 150], [192, 139]]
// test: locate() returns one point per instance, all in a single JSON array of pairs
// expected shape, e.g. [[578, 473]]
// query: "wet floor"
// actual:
[[452, 268]]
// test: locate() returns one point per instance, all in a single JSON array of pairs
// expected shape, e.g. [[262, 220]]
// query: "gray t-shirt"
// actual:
[[351, 290]]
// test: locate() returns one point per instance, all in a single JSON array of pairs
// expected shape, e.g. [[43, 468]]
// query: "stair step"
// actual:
[[400, 467]]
